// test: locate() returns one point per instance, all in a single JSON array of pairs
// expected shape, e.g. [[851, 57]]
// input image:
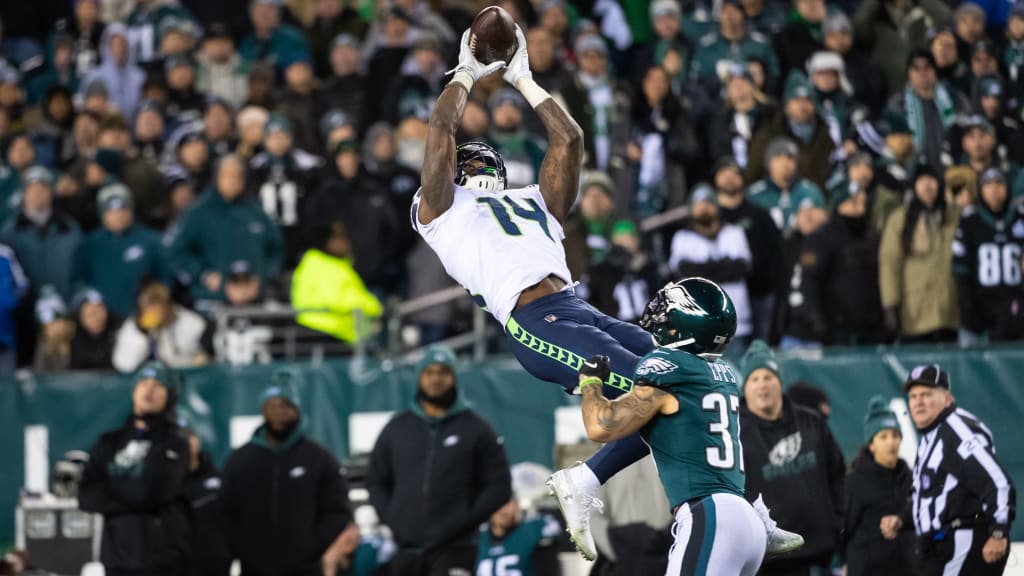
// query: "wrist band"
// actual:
[[532, 91], [464, 78], [591, 380]]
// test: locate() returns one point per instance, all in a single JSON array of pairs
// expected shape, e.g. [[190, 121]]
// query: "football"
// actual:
[[492, 36]]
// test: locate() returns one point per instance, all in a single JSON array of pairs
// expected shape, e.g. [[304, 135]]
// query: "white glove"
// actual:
[[468, 63], [519, 66]]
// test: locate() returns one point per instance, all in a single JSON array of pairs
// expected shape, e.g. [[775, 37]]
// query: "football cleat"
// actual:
[[576, 505]]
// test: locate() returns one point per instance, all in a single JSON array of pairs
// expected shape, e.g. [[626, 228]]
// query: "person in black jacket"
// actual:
[[839, 299], [878, 500], [437, 471], [92, 346], [210, 554], [135, 478], [284, 497], [764, 239], [793, 461]]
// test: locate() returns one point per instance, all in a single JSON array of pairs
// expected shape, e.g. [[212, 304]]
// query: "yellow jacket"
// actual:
[[325, 282]]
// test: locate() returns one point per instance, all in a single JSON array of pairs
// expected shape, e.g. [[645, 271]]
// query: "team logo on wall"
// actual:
[[786, 450]]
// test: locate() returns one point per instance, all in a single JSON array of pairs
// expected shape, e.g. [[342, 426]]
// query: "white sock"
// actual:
[[586, 477]]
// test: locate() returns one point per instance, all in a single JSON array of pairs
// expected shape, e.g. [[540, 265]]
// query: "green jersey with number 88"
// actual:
[[697, 449]]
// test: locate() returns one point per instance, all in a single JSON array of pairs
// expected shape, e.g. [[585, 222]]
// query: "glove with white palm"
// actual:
[[519, 65], [469, 69]]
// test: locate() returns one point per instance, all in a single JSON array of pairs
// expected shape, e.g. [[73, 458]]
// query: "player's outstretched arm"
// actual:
[[438, 174], [606, 420], [560, 170]]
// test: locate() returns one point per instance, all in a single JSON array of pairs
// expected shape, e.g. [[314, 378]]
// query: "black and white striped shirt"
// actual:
[[957, 480]]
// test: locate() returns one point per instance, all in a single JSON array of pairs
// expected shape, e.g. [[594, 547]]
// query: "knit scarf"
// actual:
[[915, 112]]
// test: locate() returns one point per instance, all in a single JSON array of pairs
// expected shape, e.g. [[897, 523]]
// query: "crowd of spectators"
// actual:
[[852, 170]]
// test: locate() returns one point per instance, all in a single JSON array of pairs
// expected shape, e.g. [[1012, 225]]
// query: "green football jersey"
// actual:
[[697, 449], [513, 554]]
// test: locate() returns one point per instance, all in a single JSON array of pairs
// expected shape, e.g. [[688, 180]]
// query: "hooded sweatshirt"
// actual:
[[123, 82], [433, 481], [798, 467]]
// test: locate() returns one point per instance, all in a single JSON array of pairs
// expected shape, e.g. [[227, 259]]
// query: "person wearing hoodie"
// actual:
[[987, 252], [184, 103], [437, 471], [878, 539], [120, 257], [85, 28], [135, 478], [839, 299], [794, 462], [92, 346], [210, 554], [345, 86], [120, 75], [51, 137], [325, 281], [915, 264], [224, 226], [297, 99], [284, 497]]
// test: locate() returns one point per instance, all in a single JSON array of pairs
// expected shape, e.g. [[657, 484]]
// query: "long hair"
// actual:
[[915, 208]]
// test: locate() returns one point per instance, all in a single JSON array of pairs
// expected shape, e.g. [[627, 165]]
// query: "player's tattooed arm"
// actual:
[[437, 177], [560, 170], [608, 420]]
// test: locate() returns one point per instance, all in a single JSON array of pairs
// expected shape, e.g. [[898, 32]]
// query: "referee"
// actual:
[[963, 500]]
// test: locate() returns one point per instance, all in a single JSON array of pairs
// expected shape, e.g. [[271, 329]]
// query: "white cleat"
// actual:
[[779, 541], [576, 505]]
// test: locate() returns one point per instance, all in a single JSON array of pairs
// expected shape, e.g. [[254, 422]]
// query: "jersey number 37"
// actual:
[[726, 455]]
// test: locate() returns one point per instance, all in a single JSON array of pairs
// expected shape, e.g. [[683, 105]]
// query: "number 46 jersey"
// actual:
[[697, 449], [496, 244]]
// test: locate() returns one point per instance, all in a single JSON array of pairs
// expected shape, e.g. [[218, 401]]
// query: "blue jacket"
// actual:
[[12, 285]]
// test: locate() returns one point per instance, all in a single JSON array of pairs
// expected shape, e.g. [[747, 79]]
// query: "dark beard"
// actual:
[[283, 433], [443, 401]]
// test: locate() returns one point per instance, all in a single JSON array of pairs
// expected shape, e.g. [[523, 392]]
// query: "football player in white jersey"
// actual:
[[505, 247]]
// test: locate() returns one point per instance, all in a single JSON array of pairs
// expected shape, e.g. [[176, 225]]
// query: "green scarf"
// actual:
[[915, 112], [814, 28]]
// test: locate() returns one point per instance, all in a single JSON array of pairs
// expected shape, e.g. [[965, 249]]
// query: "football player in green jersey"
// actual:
[[513, 544], [684, 403]]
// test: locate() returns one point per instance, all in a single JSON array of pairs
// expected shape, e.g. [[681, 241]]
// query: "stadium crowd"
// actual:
[[851, 170]]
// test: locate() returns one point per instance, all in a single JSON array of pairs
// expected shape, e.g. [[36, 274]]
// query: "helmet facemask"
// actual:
[[479, 167]]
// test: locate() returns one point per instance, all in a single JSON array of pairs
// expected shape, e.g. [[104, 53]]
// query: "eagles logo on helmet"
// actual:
[[694, 315]]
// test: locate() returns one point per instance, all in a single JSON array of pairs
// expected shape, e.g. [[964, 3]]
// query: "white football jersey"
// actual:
[[496, 244]]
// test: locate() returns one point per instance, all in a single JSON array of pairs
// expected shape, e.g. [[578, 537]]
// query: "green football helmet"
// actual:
[[694, 315]]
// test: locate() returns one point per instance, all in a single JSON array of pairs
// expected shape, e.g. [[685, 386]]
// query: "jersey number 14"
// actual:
[[531, 212]]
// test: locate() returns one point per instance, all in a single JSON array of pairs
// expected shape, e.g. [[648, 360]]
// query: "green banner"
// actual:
[[75, 409]]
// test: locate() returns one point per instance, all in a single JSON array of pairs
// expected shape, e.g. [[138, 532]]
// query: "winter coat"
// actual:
[[124, 83], [47, 253], [13, 285], [94, 351], [796, 464], [727, 138], [283, 186], [814, 160], [873, 492], [920, 283], [118, 264], [135, 479], [892, 40], [284, 41], [213, 233], [229, 80], [840, 304], [283, 505], [796, 43], [176, 344], [765, 241], [326, 282], [433, 481], [210, 554]]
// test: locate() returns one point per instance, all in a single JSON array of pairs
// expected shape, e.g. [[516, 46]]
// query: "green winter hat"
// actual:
[[436, 354], [157, 371], [894, 123], [879, 417], [284, 383], [277, 122], [797, 86], [759, 355]]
